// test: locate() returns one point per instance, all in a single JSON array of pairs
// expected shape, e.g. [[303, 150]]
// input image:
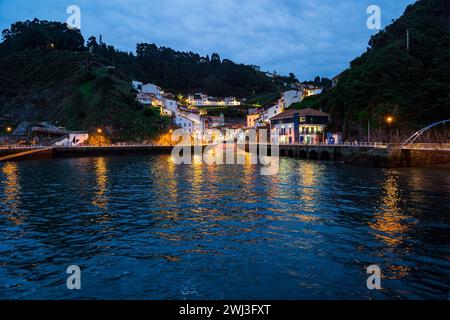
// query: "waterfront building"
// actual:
[[272, 112], [253, 116], [184, 123], [234, 132], [192, 123], [305, 126]]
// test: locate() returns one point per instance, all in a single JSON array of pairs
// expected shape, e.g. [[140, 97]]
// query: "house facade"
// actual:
[[170, 107], [137, 85], [152, 89], [290, 97], [272, 112], [252, 120], [312, 92], [145, 98], [203, 100], [306, 126]]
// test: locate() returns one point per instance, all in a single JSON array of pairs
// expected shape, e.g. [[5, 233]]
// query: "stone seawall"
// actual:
[[110, 151], [362, 156], [369, 156]]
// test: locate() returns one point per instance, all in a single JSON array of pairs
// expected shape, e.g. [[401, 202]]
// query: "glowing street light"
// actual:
[[389, 120], [99, 131], [8, 129]]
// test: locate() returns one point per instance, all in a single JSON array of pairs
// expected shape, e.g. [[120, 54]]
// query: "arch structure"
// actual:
[[419, 133]]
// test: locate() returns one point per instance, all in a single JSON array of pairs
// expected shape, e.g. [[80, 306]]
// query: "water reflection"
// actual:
[[100, 199], [308, 183], [171, 180], [228, 231], [11, 192], [390, 222]]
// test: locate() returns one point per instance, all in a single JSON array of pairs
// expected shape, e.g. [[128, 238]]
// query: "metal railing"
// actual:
[[417, 146], [342, 144]]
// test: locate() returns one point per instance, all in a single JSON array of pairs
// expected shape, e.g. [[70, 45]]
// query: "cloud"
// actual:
[[308, 38]]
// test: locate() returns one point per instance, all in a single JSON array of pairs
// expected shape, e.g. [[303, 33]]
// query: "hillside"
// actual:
[[49, 74], [413, 86]]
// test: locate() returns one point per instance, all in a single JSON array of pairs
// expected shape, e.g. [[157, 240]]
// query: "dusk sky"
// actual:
[[307, 38]]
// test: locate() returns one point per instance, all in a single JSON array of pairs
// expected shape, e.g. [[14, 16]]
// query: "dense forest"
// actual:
[[411, 81]]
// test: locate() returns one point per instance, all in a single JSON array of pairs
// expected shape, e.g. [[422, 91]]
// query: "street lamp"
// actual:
[[389, 120], [99, 131], [8, 129]]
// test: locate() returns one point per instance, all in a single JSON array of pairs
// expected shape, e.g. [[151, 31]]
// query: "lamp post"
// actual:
[[389, 120], [8, 129]]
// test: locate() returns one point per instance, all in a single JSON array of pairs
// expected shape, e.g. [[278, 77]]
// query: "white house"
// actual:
[[170, 107], [232, 101], [145, 98], [203, 100], [272, 112], [184, 123], [137, 85], [191, 123], [312, 92], [152, 89], [290, 97]]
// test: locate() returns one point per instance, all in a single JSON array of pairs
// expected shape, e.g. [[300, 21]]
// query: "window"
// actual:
[[302, 119]]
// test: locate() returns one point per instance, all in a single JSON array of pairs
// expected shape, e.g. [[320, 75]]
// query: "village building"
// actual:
[[272, 112], [305, 126], [145, 98], [170, 107], [253, 116], [203, 100], [290, 97], [312, 91], [137, 85], [150, 88]]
